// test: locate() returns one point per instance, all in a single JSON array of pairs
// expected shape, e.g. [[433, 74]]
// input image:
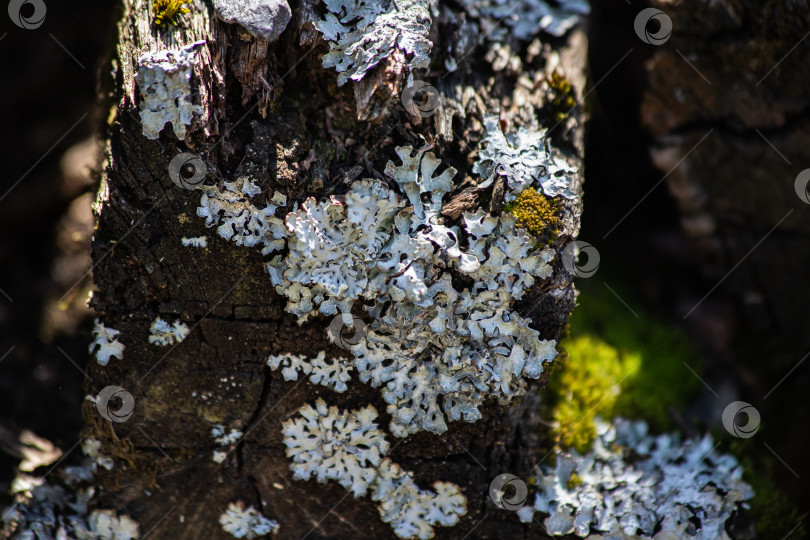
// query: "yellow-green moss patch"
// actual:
[[536, 213]]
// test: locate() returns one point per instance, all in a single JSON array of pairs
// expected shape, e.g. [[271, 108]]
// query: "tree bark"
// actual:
[[726, 107], [271, 111]]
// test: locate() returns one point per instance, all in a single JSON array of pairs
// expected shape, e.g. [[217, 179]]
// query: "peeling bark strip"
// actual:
[[273, 210]]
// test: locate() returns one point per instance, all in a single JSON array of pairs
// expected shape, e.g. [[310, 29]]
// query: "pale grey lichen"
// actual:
[[161, 333], [265, 19], [164, 79], [635, 485], [413, 512], [223, 437], [239, 220], [106, 525], [362, 33], [241, 522], [50, 512], [106, 340], [437, 350], [525, 159], [334, 247], [195, 241], [330, 445], [91, 448], [526, 18], [432, 343], [348, 447], [333, 374]]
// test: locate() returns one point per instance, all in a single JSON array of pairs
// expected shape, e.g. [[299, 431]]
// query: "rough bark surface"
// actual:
[[727, 107], [274, 113]]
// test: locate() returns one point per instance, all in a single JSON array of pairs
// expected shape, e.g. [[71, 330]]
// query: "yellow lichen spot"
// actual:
[[573, 481], [167, 11], [561, 95], [536, 213]]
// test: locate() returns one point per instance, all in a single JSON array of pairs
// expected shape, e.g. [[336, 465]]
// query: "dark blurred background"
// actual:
[[50, 112]]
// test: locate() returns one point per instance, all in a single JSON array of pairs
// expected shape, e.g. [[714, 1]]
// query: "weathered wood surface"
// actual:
[[267, 107]]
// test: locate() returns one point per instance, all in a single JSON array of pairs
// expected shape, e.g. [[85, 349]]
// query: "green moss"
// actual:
[[617, 365], [537, 214]]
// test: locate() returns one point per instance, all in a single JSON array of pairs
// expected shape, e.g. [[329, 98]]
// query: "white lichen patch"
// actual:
[[334, 373], [91, 448], [239, 220], [525, 159], [634, 485], [164, 78], [241, 522], [107, 343], [223, 437], [436, 351], [106, 524], [348, 447], [362, 33], [196, 241], [50, 511], [163, 334], [413, 512], [525, 19], [333, 249]]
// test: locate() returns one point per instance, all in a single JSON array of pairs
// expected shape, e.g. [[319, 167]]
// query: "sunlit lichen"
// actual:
[[106, 344], [636, 485], [163, 334], [362, 33], [241, 522], [524, 159], [164, 79], [437, 350], [526, 19], [348, 447]]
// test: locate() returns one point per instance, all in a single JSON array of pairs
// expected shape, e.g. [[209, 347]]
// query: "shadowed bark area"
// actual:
[[727, 107], [271, 112]]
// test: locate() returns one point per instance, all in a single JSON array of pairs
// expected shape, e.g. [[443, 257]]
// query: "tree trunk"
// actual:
[[270, 111], [726, 107]]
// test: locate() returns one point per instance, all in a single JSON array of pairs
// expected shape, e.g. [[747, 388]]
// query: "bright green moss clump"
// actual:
[[617, 365], [588, 385], [536, 213]]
